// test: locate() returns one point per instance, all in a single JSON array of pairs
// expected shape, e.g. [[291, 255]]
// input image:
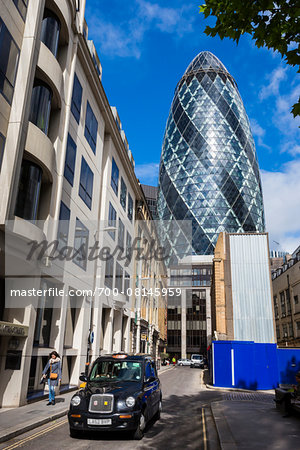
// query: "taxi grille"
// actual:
[[101, 403]]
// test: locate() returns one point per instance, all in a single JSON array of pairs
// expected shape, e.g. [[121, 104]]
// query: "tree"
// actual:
[[274, 24]]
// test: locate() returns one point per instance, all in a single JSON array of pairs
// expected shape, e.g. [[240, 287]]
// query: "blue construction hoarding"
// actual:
[[250, 365]]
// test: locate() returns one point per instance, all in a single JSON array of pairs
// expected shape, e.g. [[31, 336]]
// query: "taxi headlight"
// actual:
[[75, 400], [130, 401]]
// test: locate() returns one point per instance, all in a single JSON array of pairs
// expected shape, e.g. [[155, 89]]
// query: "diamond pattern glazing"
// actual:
[[209, 171]]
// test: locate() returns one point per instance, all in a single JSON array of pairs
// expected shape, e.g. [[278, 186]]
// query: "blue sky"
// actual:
[[145, 46]]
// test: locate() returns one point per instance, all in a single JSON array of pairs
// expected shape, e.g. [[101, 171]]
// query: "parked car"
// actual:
[[197, 361], [122, 392], [184, 362]]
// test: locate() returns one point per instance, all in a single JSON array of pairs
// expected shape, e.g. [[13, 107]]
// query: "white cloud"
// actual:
[[167, 20], [282, 205], [274, 80], [125, 39], [115, 40], [147, 173], [282, 117], [259, 133]]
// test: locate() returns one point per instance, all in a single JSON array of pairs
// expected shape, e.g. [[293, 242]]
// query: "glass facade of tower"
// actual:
[[209, 173]]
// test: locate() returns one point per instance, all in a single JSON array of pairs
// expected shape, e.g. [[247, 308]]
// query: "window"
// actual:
[[70, 160], [114, 182], [81, 244], [149, 371], [296, 301], [91, 127], [21, 6], [86, 183], [40, 105], [50, 31], [76, 99], [2, 144], [27, 203], [112, 220], [121, 234], [9, 57], [285, 330], [119, 278], [130, 207], [278, 333], [123, 194], [63, 226], [127, 285], [109, 272], [128, 245], [298, 326], [288, 302], [43, 323]]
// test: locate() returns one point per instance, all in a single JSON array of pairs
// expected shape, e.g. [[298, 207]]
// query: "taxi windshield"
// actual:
[[116, 371]]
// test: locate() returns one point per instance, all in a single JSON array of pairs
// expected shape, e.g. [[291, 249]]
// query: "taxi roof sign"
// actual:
[[119, 356]]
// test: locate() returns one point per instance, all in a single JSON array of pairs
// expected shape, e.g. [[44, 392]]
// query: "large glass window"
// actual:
[[91, 127], [43, 323], [109, 272], [112, 220], [114, 182], [63, 226], [130, 207], [86, 183], [29, 191], [81, 244], [2, 144], [119, 278], [128, 245], [70, 160], [123, 194], [40, 105], [50, 31], [21, 7], [76, 99], [9, 57], [121, 234]]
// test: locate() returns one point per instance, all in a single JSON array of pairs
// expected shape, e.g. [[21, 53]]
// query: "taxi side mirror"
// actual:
[[83, 377], [150, 379]]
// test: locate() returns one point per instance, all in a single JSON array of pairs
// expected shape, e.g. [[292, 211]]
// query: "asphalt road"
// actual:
[[186, 422]]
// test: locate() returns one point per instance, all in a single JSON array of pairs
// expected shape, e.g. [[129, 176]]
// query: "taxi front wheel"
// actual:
[[139, 432]]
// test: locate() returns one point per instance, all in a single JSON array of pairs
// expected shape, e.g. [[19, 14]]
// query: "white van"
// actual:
[[197, 361]]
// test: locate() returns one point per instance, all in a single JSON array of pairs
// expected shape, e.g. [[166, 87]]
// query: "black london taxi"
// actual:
[[122, 392]]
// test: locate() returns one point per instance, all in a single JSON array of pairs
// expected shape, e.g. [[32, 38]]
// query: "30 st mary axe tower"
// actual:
[[209, 172]]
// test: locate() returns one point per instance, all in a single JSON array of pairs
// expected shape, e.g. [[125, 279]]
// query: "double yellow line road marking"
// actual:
[[36, 435]]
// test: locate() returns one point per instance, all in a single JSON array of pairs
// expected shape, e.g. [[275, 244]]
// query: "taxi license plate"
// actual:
[[99, 421]]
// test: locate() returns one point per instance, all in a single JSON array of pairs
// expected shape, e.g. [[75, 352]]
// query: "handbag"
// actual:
[[53, 376]]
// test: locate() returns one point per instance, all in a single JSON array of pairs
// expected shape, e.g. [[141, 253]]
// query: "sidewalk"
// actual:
[[251, 421], [15, 421]]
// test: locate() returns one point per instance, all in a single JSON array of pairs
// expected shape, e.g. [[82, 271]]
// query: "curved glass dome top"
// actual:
[[209, 172], [205, 60]]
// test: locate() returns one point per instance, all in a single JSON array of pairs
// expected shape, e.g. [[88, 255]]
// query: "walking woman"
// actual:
[[52, 371]]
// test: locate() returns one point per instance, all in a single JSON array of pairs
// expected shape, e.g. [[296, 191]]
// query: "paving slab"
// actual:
[[251, 424]]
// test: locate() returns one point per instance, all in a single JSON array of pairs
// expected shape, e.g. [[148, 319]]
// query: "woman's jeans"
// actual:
[[51, 392]]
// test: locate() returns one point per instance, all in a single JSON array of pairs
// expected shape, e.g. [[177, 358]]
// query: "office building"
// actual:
[[66, 177], [209, 172], [286, 298]]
